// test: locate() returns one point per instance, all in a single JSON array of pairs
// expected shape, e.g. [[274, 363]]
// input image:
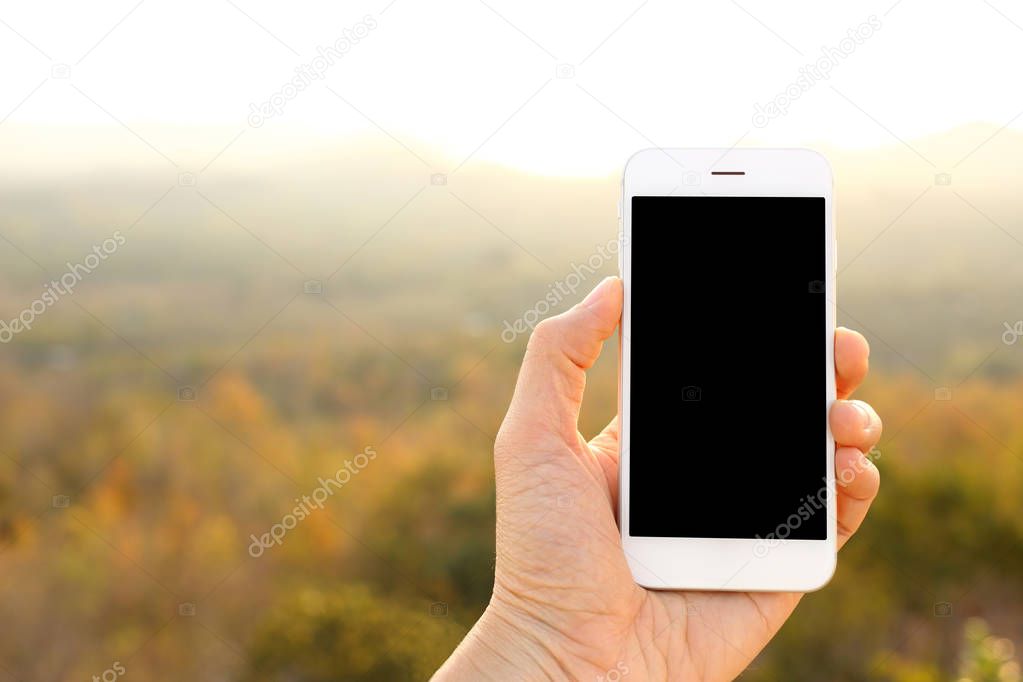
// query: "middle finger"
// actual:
[[854, 423]]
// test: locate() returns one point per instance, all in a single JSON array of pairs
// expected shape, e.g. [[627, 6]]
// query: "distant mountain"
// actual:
[[930, 233]]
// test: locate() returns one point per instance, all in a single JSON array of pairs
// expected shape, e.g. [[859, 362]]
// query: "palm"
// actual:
[[570, 556], [723, 631]]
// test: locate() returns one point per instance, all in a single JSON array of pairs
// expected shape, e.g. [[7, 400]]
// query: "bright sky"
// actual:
[[457, 78]]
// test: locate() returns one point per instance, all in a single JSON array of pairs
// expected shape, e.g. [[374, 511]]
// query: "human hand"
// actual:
[[565, 605]]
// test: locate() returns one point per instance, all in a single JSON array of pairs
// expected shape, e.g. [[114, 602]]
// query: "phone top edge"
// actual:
[[703, 158]]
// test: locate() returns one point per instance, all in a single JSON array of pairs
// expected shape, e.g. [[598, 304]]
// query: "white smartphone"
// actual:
[[727, 474]]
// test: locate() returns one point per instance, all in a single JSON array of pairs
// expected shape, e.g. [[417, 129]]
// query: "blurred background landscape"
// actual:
[[289, 295]]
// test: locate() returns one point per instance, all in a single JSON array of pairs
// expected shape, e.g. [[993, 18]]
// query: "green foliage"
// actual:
[[348, 634], [987, 658]]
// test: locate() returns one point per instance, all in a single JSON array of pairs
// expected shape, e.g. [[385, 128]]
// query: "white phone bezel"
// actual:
[[724, 563]]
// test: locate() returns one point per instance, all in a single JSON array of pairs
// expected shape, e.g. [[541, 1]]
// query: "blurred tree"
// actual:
[[349, 634], [983, 658], [987, 658]]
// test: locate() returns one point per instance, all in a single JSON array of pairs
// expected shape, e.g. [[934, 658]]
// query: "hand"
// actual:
[[565, 605]]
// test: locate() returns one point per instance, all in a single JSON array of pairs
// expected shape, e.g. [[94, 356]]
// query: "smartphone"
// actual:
[[727, 475]]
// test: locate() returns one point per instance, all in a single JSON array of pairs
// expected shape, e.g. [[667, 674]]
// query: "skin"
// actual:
[[565, 605]]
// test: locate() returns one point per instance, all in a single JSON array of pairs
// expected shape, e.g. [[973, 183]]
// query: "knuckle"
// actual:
[[546, 329], [546, 335]]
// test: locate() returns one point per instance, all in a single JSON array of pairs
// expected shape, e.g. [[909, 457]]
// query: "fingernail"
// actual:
[[597, 292], [865, 419]]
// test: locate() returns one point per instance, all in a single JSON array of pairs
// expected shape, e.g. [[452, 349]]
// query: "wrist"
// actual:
[[499, 648]]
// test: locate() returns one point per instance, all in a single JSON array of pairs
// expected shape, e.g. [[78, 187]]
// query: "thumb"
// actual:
[[550, 387]]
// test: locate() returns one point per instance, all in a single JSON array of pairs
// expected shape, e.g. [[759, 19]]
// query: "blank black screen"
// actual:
[[728, 382]]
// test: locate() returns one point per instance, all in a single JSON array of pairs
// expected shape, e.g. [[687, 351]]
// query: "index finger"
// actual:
[[852, 353]]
